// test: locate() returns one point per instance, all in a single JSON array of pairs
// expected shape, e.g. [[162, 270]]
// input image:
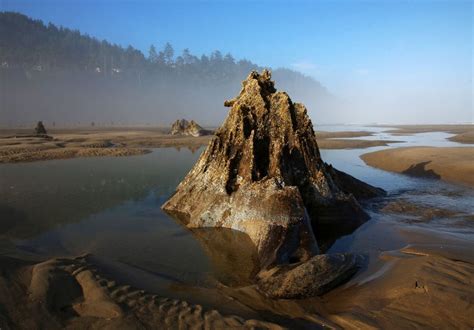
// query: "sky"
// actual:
[[388, 61]]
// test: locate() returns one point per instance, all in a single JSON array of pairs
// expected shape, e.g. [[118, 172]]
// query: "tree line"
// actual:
[[31, 44], [59, 74]]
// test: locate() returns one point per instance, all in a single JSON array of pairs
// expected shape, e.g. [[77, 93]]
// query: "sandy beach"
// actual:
[[419, 285], [422, 285], [453, 164]]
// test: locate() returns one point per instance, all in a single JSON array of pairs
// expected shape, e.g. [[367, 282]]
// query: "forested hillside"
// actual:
[[56, 74]]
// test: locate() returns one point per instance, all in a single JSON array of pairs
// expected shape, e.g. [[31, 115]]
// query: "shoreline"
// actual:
[[93, 143], [68, 153], [452, 164]]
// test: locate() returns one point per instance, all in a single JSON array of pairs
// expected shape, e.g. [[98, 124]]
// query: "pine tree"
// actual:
[[152, 54], [168, 53]]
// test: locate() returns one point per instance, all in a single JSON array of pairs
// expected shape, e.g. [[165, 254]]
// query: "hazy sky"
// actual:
[[390, 61]]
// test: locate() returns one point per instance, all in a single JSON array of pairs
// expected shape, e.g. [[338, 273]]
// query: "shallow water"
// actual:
[[351, 128], [111, 207]]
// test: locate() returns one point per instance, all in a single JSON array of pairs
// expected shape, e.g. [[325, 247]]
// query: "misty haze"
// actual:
[[228, 164]]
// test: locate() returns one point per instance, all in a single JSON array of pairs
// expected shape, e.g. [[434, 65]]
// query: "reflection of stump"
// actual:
[[40, 130], [232, 253]]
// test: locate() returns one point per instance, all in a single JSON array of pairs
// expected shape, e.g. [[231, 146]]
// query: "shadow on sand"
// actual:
[[420, 170]]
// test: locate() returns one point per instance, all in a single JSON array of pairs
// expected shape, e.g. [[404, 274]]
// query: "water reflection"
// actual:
[[36, 197], [232, 253], [136, 233]]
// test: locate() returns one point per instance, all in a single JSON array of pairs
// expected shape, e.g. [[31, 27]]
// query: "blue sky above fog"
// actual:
[[386, 58]]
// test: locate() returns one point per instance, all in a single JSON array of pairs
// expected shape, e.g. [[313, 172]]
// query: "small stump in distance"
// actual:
[[40, 130]]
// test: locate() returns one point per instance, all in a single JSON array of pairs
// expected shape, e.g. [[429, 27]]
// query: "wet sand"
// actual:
[[453, 164], [31, 154], [79, 293], [466, 137], [420, 285], [320, 135], [424, 285], [346, 140], [351, 144], [463, 133], [64, 144], [20, 146], [413, 129]]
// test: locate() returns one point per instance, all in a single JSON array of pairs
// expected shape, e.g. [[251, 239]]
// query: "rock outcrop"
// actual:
[[263, 175], [184, 127], [306, 279]]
